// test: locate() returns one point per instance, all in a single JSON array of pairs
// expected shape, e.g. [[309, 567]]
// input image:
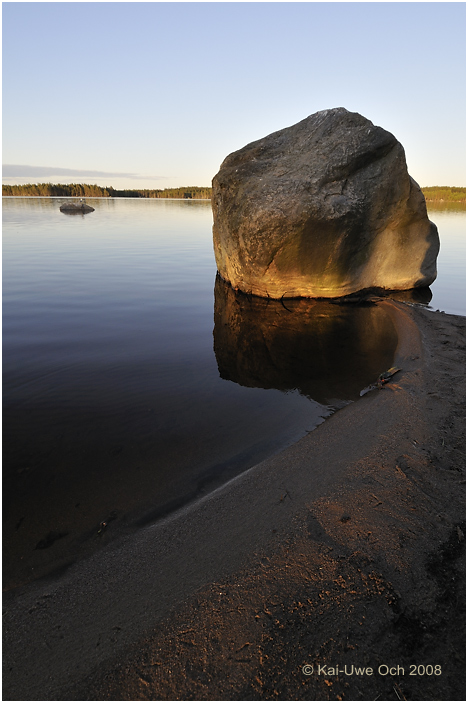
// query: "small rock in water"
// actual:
[[80, 207]]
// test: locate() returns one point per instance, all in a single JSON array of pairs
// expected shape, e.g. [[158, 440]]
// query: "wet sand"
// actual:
[[344, 550]]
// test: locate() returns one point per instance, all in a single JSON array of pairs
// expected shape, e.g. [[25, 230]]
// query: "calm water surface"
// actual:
[[135, 381], [449, 288]]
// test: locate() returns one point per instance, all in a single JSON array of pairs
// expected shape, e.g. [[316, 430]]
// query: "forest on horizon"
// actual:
[[80, 190], [453, 194]]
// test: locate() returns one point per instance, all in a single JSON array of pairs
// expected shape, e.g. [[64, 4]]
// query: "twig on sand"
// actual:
[[247, 644], [398, 691]]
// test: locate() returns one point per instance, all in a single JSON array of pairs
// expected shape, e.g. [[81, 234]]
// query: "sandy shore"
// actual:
[[343, 551]]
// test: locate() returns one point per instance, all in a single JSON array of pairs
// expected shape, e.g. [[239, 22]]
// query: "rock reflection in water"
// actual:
[[326, 351]]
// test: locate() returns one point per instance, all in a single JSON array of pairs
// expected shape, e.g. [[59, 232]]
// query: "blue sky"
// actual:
[[155, 95]]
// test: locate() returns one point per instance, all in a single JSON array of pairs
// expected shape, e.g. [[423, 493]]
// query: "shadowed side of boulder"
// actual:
[[324, 208]]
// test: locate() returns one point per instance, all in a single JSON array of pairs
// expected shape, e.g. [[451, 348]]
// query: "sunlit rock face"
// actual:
[[326, 351], [324, 208]]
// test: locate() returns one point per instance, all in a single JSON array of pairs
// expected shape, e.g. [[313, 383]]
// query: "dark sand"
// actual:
[[345, 549]]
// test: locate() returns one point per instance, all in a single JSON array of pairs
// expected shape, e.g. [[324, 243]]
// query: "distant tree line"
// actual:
[[81, 190], [71, 190], [186, 192], [451, 193]]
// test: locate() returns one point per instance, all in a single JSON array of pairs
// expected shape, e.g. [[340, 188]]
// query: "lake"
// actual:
[[136, 381], [449, 288]]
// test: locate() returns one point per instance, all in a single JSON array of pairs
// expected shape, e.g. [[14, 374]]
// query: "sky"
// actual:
[[156, 95]]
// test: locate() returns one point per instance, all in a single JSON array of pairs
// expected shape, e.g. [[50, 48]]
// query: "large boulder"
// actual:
[[324, 208]]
